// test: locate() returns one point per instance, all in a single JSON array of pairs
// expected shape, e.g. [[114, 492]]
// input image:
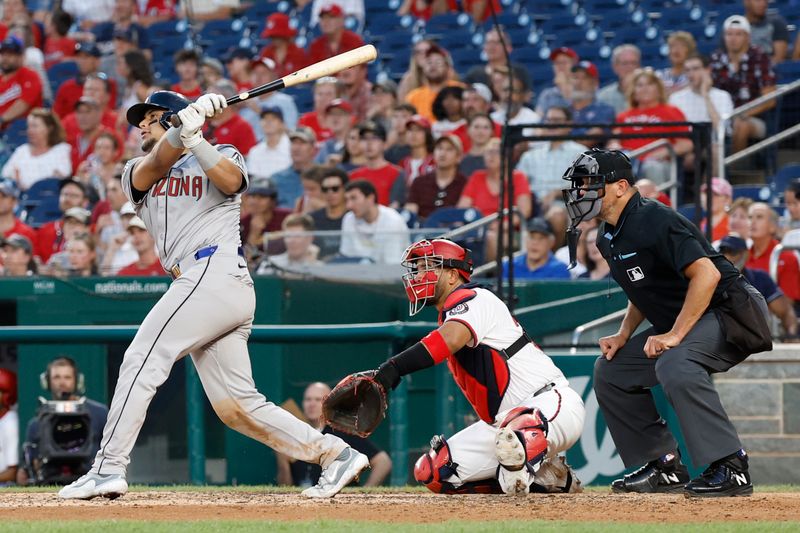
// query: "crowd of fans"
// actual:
[[370, 160]]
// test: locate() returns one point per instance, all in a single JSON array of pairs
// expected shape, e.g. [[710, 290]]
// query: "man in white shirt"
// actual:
[[272, 154], [520, 95], [371, 230], [9, 427], [263, 71]]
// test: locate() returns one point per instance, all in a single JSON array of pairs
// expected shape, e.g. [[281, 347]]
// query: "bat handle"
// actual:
[[175, 120]]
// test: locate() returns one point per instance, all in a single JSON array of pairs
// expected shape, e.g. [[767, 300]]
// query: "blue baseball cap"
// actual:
[[9, 188], [732, 242], [12, 44]]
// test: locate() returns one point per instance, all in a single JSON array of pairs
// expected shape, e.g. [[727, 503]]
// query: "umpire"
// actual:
[[704, 317]]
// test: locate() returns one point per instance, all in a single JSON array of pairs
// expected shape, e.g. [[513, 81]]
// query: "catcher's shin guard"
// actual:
[[433, 468], [522, 439]]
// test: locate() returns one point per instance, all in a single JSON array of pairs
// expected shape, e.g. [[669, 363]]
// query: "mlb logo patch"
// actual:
[[635, 274]]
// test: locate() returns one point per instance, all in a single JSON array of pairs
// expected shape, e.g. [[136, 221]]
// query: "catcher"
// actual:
[[528, 413]]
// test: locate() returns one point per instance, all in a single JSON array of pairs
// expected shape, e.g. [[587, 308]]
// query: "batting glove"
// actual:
[[192, 117], [212, 104]]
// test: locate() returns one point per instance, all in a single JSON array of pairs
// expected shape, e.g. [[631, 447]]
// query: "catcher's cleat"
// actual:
[[337, 475], [666, 474], [91, 485], [727, 477]]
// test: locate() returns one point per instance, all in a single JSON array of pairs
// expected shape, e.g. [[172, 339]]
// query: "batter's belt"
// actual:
[[185, 264]]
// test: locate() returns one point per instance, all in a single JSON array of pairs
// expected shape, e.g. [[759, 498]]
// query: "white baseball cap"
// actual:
[[136, 222], [736, 22], [127, 209]]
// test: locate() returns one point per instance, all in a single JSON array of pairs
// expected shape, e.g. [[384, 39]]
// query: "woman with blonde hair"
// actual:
[[45, 155], [647, 99], [681, 46]]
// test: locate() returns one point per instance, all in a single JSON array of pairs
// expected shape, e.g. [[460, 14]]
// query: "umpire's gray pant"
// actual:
[[623, 385]]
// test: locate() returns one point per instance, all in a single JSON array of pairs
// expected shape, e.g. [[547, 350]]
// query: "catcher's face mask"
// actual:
[[424, 261]]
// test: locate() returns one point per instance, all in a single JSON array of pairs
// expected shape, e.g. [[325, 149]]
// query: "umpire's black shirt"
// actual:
[[647, 252]]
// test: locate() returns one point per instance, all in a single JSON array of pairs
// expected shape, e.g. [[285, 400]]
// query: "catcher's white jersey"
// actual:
[[185, 211]]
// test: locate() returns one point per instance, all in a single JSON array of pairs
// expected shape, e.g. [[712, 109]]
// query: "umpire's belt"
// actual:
[[517, 345], [184, 265]]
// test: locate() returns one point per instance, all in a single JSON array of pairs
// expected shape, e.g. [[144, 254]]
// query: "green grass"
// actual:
[[330, 526]]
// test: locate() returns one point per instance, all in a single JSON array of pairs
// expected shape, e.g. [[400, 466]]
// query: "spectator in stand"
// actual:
[[288, 57], [734, 248], [480, 130], [477, 99], [20, 87], [45, 155], [382, 102], [448, 110], [50, 236], [746, 73], [335, 39], [538, 261], [303, 149], [586, 109], [137, 71], [791, 197], [57, 45], [87, 57], [326, 90], [596, 266], [263, 71], [329, 218], [495, 57], [300, 254], [75, 221], [739, 218], [202, 10], [32, 56], [147, 264], [648, 189], [305, 474], [88, 13], [422, 9], [9, 223], [520, 96], [483, 187], [768, 31], [273, 153], [263, 217], [356, 90], [16, 12], [398, 148], [124, 41], [312, 199], [339, 114], [437, 73], [700, 101], [763, 230], [238, 61], [82, 257], [419, 139], [211, 71], [228, 127], [625, 59], [187, 65], [89, 114], [353, 154], [351, 8], [544, 164], [124, 18], [681, 46], [370, 230], [443, 186], [16, 257], [111, 219], [425, 9], [102, 165], [388, 179], [413, 77], [96, 87], [560, 94], [648, 103], [721, 199]]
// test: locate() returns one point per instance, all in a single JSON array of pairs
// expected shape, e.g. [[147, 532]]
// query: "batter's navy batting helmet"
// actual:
[[169, 101]]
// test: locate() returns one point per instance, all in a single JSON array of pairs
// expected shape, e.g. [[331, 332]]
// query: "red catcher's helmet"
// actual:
[[8, 386], [424, 260]]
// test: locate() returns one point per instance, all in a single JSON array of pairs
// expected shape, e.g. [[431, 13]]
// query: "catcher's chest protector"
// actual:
[[482, 374]]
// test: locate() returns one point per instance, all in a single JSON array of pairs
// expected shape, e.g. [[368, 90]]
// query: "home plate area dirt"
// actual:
[[399, 507]]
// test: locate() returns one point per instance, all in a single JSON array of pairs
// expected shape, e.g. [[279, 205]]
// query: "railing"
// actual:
[[721, 128], [672, 184], [596, 323]]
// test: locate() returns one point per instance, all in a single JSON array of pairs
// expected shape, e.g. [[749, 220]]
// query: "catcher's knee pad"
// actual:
[[522, 439], [437, 465]]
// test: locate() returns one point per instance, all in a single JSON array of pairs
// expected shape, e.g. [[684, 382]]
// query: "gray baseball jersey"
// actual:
[[207, 312]]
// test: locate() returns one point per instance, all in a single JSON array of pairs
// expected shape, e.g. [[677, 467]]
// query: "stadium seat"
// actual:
[[447, 22], [261, 10], [167, 28], [558, 23], [61, 72], [756, 192], [687, 210], [16, 133], [411, 218], [40, 202], [781, 179], [44, 211], [454, 217]]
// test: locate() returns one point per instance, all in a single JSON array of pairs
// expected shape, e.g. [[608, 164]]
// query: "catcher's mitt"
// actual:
[[356, 405]]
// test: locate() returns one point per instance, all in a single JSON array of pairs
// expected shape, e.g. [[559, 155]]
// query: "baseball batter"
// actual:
[[528, 412], [188, 194]]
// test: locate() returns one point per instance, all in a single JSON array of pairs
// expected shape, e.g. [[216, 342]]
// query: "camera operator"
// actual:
[[65, 384]]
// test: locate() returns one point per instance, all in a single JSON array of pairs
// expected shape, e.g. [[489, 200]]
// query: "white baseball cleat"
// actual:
[[513, 476], [337, 475], [91, 485]]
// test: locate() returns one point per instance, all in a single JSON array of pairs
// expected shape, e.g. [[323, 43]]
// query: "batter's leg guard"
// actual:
[[436, 466], [520, 447]]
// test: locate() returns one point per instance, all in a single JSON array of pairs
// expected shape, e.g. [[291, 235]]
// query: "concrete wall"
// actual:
[[762, 397]]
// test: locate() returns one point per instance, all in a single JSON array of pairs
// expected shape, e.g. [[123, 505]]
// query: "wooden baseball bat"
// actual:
[[326, 67]]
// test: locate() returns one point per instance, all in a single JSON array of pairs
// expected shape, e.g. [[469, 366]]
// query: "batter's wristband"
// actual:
[[436, 346], [174, 137], [206, 155]]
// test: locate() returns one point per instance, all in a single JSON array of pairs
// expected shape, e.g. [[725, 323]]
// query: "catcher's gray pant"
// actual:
[[622, 387], [208, 312]]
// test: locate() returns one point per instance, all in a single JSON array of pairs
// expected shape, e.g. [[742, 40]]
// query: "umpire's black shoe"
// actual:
[[665, 474], [727, 477]]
